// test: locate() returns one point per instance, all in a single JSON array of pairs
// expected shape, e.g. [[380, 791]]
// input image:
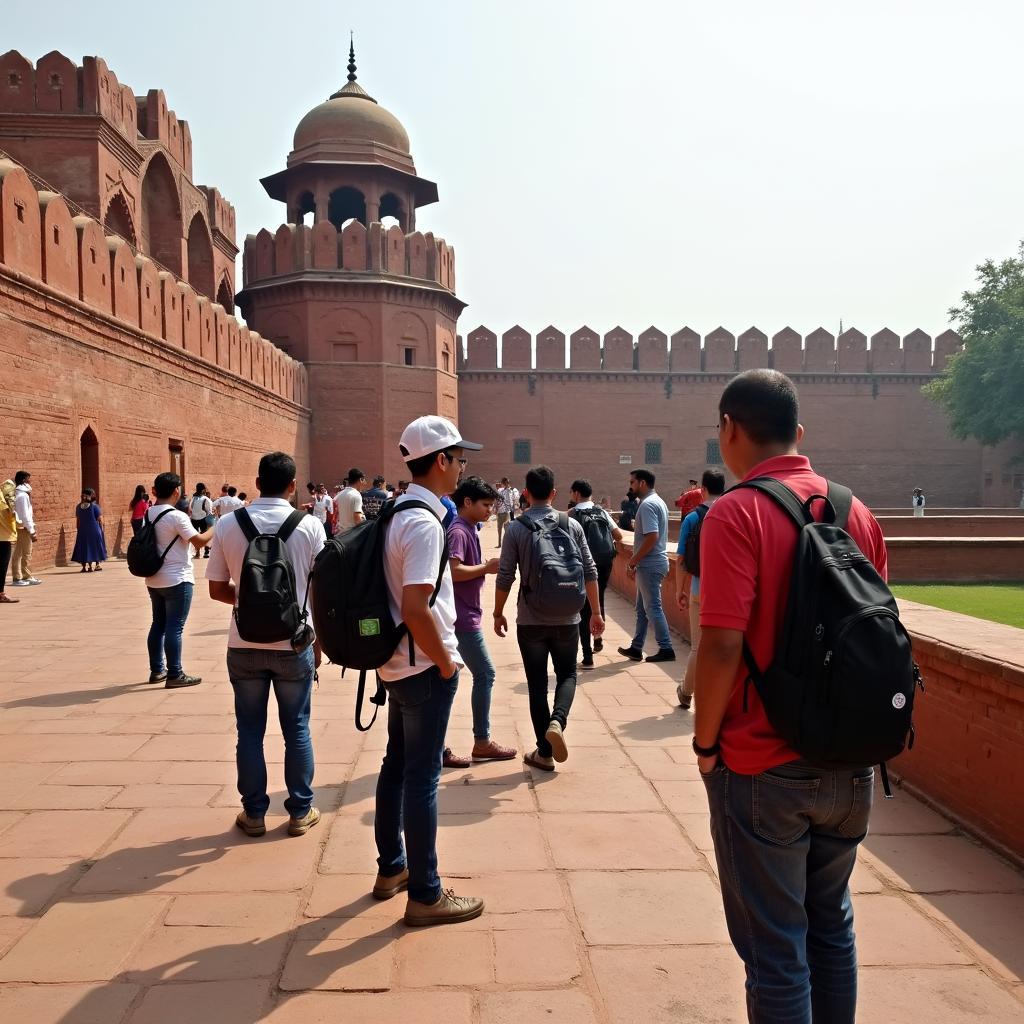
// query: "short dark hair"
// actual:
[[714, 481], [765, 404], [692, 481], [473, 488], [355, 474], [165, 485], [276, 471], [504, 480], [643, 474], [232, 491], [540, 482], [582, 487], [378, 481], [89, 493], [420, 467], [21, 476]]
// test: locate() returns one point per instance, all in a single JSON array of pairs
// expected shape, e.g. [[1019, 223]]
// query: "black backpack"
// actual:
[[691, 550], [841, 688], [268, 610], [598, 531], [351, 613], [555, 589], [144, 556]]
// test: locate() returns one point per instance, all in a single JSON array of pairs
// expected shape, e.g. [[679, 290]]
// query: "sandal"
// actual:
[[537, 760], [83, 569], [88, 568], [4, 599], [99, 568]]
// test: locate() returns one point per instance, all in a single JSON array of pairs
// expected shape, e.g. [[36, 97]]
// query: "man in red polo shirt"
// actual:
[[689, 499], [785, 832]]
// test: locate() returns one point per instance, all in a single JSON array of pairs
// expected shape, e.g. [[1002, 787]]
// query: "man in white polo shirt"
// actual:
[[287, 665], [420, 685]]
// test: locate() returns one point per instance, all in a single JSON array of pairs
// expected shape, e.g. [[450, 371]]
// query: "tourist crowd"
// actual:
[[786, 827]]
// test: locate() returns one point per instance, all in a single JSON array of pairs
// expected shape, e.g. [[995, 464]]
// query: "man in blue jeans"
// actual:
[[421, 679], [170, 589], [648, 565], [785, 832], [254, 668], [474, 498]]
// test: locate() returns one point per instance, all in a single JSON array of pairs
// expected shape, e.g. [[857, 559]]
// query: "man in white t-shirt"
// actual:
[[227, 502], [287, 665], [170, 590], [323, 509], [421, 688], [349, 501]]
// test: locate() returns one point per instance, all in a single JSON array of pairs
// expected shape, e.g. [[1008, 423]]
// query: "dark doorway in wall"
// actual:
[[90, 460], [176, 453]]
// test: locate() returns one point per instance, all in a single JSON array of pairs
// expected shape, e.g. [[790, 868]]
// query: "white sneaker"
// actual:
[[32, 581], [21, 583]]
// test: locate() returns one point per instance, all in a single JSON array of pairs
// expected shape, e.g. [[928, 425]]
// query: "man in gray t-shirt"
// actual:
[[542, 636], [649, 566]]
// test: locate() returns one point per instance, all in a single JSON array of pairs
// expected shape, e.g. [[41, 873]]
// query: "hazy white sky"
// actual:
[[668, 163]]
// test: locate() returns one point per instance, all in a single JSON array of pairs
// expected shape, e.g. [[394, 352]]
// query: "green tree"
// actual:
[[982, 388]]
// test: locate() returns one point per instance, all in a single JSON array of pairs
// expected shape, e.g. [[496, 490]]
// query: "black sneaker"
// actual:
[[175, 682], [598, 644], [632, 653], [664, 654], [587, 662], [157, 677]]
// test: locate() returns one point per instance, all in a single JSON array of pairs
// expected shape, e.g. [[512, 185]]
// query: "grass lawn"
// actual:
[[997, 602]]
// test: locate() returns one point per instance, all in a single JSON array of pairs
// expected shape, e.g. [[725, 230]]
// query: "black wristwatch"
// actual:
[[706, 751]]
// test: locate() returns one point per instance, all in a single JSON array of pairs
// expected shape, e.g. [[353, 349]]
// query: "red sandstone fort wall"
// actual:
[[867, 422], [98, 345]]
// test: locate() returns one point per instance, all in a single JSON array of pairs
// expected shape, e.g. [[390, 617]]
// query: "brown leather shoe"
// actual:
[[254, 827], [488, 750], [300, 826], [449, 909], [387, 886], [452, 760]]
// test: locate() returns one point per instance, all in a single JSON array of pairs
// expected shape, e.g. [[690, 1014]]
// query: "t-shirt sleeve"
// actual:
[[647, 518], [422, 547], [182, 523], [728, 568], [217, 565], [685, 529], [458, 544]]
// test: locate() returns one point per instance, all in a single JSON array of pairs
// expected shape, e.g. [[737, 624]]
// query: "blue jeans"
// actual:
[[252, 672], [649, 608], [786, 842], [170, 610], [418, 711], [478, 660]]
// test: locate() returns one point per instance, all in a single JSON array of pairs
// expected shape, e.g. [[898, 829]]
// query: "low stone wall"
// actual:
[[963, 559], [952, 526], [959, 511], [968, 755]]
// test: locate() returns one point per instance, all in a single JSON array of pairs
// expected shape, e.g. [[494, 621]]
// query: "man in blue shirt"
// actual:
[[649, 566], [688, 582]]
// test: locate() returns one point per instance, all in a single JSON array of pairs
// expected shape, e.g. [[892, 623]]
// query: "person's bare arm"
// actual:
[[596, 618], [463, 573], [223, 591], [500, 622], [416, 614], [200, 540], [683, 584], [718, 658], [646, 547]]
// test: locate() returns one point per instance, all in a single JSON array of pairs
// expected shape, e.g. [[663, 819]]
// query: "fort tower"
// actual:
[[350, 288]]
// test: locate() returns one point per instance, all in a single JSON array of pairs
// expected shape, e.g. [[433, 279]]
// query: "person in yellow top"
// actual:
[[8, 535]]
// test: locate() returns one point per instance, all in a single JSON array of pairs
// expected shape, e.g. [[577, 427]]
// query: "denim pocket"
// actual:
[[781, 804], [412, 691], [856, 824]]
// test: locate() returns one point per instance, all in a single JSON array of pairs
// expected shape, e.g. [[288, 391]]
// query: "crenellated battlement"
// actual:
[[719, 351], [300, 248], [41, 242]]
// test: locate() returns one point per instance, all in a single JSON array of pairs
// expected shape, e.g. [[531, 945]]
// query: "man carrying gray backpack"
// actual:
[[557, 574]]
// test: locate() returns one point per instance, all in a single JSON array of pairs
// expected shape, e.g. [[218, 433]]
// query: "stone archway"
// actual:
[[200, 257], [118, 219], [89, 452], [225, 296], [161, 233]]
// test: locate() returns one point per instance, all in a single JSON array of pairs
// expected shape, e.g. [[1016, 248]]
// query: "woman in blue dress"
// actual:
[[90, 544]]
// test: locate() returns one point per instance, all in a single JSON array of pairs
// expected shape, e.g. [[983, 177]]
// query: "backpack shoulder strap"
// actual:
[[842, 501], [781, 495], [165, 512], [702, 510], [288, 527], [247, 525], [531, 524], [563, 522]]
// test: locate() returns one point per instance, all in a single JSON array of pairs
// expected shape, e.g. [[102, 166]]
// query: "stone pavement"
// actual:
[[126, 895]]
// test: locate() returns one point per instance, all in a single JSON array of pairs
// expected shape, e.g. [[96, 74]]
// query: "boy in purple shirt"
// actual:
[[474, 498]]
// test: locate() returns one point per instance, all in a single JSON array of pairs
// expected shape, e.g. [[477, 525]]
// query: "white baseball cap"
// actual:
[[430, 434]]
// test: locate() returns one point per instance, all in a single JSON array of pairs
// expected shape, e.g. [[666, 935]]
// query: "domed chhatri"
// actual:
[[352, 124]]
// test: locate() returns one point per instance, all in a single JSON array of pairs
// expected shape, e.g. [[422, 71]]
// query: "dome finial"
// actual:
[[351, 57]]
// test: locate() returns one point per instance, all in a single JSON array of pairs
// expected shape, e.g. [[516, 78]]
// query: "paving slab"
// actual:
[[66, 1004]]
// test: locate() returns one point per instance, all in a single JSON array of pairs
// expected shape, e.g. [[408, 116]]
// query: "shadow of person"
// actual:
[[72, 698], [673, 725], [312, 953], [60, 557]]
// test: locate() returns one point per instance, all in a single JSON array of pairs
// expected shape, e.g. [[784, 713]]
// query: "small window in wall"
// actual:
[[445, 361], [713, 454], [521, 453], [652, 453], [409, 356]]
